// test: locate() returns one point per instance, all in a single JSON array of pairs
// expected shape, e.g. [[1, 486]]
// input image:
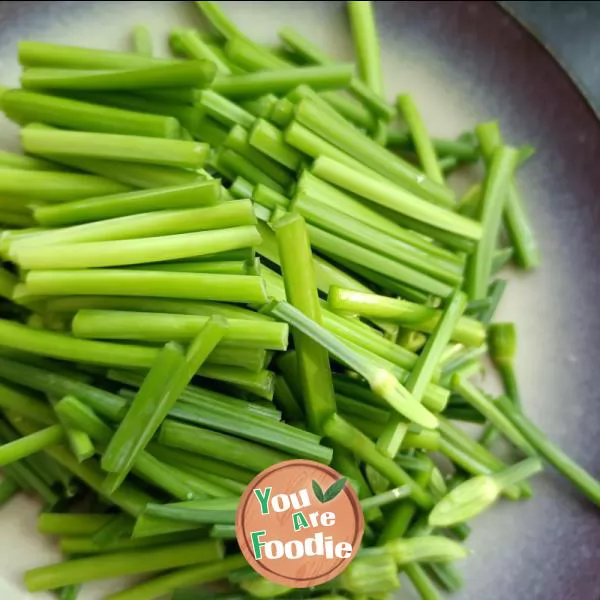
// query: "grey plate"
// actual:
[[464, 62]]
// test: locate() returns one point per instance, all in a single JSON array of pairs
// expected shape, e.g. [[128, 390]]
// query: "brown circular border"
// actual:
[[242, 538]]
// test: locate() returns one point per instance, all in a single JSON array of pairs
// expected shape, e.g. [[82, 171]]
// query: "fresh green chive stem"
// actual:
[[167, 378], [12, 160], [395, 430], [142, 40], [269, 140], [500, 170], [79, 441], [385, 498], [71, 524], [197, 73], [163, 327], [301, 290], [421, 582], [337, 247], [353, 440], [515, 216], [237, 140], [42, 54], [478, 400], [281, 81], [408, 314], [48, 186], [130, 148], [420, 138], [205, 193], [223, 447], [226, 216], [128, 282], [552, 453], [216, 511], [366, 42], [82, 570], [224, 110], [381, 381], [191, 576], [502, 342], [25, 107], [341, 224], [394, 198]]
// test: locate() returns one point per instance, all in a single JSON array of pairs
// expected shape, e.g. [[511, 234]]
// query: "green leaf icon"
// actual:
[[318, 491], [335, 489]]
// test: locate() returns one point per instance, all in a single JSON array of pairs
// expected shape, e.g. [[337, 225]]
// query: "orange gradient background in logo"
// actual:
[[289, 478]]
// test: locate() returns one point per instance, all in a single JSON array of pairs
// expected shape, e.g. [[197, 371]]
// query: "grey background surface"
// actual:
[[571, 31]]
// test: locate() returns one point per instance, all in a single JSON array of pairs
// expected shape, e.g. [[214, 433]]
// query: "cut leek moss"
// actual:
[[226, 448], [395, 430], [371, 154], [502, 341], [224, 110], [82, 570], [48, 186], [129, 498], [225, 267], [314, 188], [46, 343], [423, 144], [166, 380], [224, 216], [309, 143], [341, 224], [269, 140], [408, 314], [170, 75], [486, 407], [160, 327], [69, 305], [43, 380], [181, 578], [195, 195], [350, 330], [232, 164], [382, 382], [315, 55], [176, 483], [394, 198], [28, 107], [42, 54], [204, 512], [352, 439], [128, 148], [188, 117], [142, 40], [8, 281], [338, 247], [237, 140], [515, 217], [118, 253], [500, 170], [279, 81], [237, 420], [16, 400], [252, 57], [163, 284], [190, 44], [301, 290], [11, 160], [551, 452]]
